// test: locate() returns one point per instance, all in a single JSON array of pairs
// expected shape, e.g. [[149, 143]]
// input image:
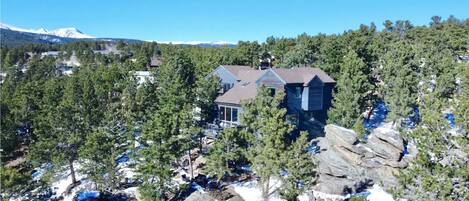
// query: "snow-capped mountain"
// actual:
[[61, 32]]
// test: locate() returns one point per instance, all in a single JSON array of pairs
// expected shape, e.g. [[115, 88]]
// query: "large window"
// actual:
[[228, 114], [234, 114]]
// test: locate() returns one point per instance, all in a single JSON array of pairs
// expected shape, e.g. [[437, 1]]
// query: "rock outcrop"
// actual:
[[346, 165]]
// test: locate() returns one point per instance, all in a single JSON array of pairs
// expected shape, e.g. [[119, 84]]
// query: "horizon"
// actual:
[[212, 21]]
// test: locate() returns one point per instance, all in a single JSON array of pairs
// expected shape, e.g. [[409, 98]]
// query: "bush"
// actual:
[[357, 199], [359, 129], [12, 180]]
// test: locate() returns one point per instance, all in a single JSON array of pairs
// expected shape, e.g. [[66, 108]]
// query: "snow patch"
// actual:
[[378, 194], [250, 191]]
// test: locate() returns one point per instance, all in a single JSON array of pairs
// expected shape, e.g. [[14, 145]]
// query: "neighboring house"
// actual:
[[62, 70], [308, 91], [50, 54], [143, 76], [108, 49], [155, 62]]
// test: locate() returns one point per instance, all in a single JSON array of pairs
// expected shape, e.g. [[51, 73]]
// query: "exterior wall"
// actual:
[[315, 96], [225, 76], [293, 102], [327, 95]]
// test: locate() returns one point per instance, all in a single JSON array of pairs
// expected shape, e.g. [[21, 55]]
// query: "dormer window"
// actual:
[[226, 87]]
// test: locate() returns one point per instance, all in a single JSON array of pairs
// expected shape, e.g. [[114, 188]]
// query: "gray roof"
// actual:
[[155, 61], [302, 75], [240, 92], [235, 69]]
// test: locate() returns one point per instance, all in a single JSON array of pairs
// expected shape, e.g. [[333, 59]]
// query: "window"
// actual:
[[222, 113], [226, 87], [298, 92], [234, 114], [228, 114], [272, 91]]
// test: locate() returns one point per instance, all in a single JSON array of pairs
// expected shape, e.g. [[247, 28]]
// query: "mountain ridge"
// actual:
[[14, 36]]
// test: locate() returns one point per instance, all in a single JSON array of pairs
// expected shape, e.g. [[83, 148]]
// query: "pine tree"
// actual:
[[68, 127], [399, 78], [352, 91], [264, 119], [207, 92], [171, 128], [435, 173], [227, 151], [299, 167], [103, 146]]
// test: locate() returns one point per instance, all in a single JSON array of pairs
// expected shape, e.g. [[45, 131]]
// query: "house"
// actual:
[[308, 91], [143, 76], [154, 62], [54, 54]]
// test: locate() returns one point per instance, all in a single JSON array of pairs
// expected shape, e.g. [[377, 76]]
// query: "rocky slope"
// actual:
[[348, 166]]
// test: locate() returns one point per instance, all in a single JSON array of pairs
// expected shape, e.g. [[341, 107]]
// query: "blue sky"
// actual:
[[217, 20]]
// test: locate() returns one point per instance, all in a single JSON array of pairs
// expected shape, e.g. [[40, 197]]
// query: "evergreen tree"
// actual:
[[264, 119], [69, 125], [399, 80], [436, 173], [207, 92], [299, 168], [353, 87], [227, 151], [104, 144], [171, 128]]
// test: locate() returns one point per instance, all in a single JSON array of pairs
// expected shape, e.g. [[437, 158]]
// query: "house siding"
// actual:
[[225, 76], [294, 103], [315, 96]]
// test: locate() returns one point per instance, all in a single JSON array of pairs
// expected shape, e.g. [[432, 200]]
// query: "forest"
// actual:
[[88, 119]]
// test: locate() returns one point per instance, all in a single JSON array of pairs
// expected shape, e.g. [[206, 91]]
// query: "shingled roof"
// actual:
[[235, 69], [302, 75]]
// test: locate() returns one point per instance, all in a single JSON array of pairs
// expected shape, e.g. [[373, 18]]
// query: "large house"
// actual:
[[308, 91]]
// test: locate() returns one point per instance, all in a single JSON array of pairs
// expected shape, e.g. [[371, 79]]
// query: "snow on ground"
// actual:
[[63, 180], [133, 191], [249, 191], [378, 194]]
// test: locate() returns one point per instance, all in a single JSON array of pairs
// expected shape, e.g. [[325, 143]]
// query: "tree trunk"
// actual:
[[370, 113], [72, 172], [265, 189], [190, 165]]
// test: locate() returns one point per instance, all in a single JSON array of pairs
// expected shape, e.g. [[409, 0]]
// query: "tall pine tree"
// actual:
[[170, 130], [352, 91], [264, 119]]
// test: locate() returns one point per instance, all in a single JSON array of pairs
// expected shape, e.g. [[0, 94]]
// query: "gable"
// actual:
[[224, 75], [315, 81], [270, 79]]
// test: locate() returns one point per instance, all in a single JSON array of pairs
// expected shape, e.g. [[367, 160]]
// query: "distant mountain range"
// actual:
[[12, 36], [62, 32]]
